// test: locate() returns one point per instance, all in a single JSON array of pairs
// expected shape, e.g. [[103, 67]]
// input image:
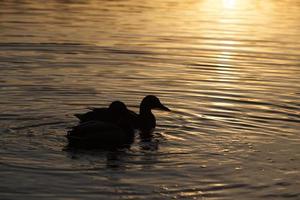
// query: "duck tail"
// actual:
[[79, 116]]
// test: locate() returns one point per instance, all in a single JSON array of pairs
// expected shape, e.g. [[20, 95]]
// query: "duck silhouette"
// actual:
[[99, 134], [114, 126], [110, 114], [103, 128], [146, 120]]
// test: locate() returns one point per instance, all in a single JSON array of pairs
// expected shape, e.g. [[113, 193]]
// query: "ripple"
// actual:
[[229, 71]]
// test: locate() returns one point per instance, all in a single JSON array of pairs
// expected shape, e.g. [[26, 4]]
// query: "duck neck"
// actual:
[[144, 109], [147, 120]]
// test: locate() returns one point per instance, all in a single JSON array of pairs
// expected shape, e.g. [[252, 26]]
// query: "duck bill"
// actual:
[[164, 108]]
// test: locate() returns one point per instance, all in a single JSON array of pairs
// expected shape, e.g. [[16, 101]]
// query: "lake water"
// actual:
[[229, 70]]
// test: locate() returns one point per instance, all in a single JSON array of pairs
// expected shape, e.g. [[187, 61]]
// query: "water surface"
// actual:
[[229, 70]]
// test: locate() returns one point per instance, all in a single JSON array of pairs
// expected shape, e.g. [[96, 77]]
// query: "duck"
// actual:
[[116, 125], [146, 119], [103, 128]]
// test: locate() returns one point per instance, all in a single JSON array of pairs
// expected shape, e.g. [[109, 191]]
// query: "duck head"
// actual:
[[122, 116], [117, 107], [152, 102]]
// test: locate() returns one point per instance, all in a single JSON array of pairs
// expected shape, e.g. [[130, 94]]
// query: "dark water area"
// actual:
[[228, 69]]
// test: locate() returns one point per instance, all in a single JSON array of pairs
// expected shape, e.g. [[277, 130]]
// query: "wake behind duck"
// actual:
[[115, 126]]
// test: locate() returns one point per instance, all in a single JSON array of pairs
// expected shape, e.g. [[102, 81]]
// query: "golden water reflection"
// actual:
[[229, 70]]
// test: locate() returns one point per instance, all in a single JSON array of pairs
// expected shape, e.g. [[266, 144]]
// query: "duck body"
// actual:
[[103, 128], [102, 135], [147, 122], [110, 114], [101, 114]]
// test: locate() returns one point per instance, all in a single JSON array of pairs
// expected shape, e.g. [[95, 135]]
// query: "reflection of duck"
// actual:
[[114, 126]]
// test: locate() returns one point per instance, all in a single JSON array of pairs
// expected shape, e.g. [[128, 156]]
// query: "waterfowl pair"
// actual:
[[114, 126]]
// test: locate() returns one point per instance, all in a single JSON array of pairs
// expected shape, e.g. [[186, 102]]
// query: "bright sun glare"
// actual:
[[229, 4]]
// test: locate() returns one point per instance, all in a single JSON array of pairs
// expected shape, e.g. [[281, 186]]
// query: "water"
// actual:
[[229, 70]]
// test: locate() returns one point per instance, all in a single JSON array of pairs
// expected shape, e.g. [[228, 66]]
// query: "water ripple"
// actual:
[[229, 71]]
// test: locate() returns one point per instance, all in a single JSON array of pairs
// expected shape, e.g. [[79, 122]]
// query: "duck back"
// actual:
[[97, 114]]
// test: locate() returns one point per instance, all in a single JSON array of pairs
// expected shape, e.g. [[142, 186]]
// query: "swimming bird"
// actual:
[[103, 128], [114, 126], [146, 119]]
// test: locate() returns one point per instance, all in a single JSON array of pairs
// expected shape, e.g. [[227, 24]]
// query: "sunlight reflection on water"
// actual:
[[229, 70]]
